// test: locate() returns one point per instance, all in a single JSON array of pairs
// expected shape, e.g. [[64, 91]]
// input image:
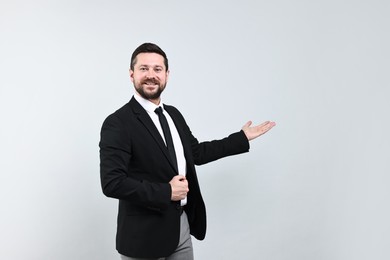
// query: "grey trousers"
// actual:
[[184, 250]]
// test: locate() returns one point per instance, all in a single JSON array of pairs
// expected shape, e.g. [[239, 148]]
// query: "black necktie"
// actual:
[[167, 135]]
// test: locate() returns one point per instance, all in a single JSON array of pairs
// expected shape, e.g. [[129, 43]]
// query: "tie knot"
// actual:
[[158, 111]]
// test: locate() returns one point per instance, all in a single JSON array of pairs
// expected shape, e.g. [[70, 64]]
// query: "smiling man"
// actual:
[[149, 76], [147, 161]]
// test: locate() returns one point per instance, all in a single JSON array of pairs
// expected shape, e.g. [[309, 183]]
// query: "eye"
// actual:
[[158, 69], [143, 69]]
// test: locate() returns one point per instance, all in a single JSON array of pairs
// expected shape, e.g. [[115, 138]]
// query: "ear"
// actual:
[[131, 73], [167, 75]]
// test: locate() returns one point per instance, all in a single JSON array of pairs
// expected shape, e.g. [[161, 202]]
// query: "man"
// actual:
[[147, 158]]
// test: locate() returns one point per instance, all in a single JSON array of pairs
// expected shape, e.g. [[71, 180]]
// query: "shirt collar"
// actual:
[[146, 104]]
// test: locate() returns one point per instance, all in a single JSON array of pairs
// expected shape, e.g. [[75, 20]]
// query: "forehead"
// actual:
[[149, 59]]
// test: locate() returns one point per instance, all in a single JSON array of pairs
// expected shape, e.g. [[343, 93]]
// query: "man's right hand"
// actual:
[[179, 187]]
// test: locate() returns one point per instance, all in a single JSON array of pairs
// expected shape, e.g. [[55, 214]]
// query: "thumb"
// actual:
[[248, 124]]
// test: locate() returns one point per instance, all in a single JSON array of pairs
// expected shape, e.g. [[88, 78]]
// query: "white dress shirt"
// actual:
[[150, 108]]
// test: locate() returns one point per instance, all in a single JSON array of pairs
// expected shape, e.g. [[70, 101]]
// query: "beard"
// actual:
[[150, 95]]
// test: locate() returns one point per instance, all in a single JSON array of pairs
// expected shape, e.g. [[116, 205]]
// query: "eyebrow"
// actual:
[[151, 66], [145, 65]]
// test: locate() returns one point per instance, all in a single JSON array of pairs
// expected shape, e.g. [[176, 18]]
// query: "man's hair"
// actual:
[[148, 48]]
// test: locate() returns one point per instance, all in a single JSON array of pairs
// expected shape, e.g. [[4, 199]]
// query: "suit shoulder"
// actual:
[[119, 115], [172, 110]]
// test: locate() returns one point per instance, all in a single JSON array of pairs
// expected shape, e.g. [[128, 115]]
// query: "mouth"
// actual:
[[150, 83]]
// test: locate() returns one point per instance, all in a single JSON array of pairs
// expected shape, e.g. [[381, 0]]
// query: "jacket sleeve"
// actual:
[[115, 155], [204, 152]]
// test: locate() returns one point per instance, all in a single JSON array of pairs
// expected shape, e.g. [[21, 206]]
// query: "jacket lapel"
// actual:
[[145, 119]]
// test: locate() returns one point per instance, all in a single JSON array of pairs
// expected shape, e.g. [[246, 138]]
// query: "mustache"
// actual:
[[149, 81]]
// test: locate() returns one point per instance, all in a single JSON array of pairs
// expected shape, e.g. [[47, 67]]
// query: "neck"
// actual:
[[155, 101]]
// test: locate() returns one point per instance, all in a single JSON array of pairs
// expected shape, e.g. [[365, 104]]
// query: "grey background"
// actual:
[[315, 187]]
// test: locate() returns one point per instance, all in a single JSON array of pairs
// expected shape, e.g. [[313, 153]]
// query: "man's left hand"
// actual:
[[253, 132]]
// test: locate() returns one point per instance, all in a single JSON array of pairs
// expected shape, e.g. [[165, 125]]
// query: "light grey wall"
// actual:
[[315, 187]]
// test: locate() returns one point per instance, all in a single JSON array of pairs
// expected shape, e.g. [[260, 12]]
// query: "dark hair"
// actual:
[[148, 48]]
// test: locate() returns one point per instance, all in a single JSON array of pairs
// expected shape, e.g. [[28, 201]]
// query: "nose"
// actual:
[[150, 74]]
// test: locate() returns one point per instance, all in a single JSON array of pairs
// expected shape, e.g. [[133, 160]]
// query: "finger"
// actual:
[[179, 177], [248, 124], [264, 124], [268, 127], [185, 185]]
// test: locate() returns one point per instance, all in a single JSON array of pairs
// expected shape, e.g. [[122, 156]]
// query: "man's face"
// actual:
[[149, 76]]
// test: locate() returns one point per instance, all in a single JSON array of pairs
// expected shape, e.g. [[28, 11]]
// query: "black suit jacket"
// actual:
[[135, 168]]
